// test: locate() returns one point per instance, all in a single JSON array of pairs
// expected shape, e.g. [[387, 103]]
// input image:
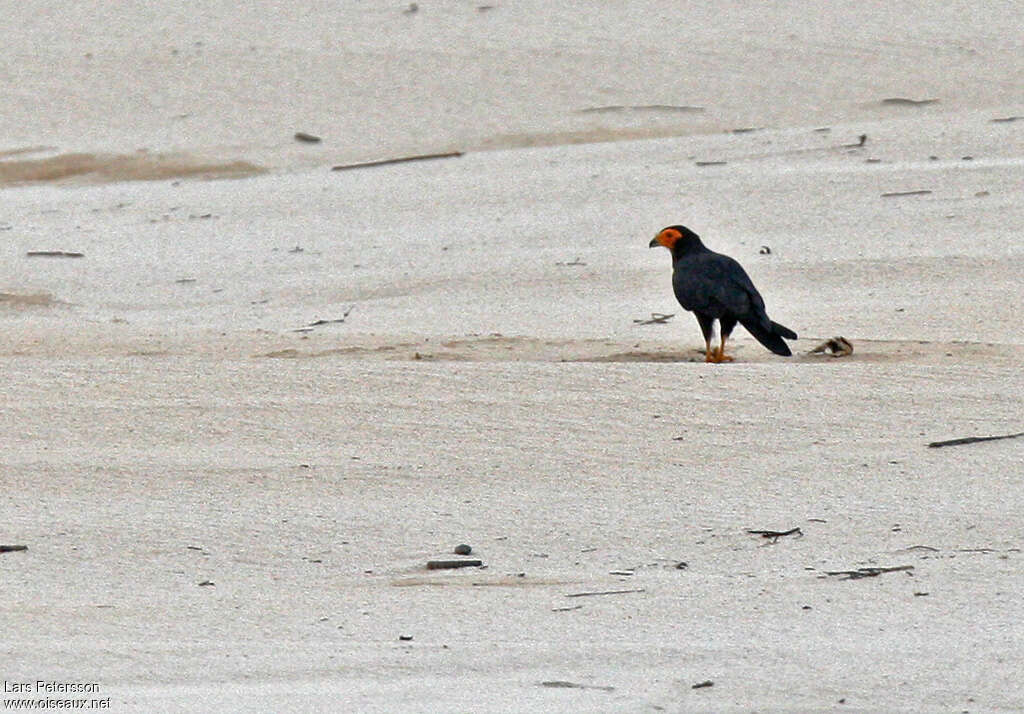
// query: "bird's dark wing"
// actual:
[[715, 284]]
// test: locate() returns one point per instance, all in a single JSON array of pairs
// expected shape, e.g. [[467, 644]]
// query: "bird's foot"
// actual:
[[717, 356]]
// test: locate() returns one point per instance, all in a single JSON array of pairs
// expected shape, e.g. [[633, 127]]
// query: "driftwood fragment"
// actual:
[[452, 564], [12, 548], [306, 138], [972, 440], [398, 160], [702, 685]]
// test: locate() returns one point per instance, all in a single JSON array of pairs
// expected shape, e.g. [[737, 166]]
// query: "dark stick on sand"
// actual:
[[972, 440], [562, 684], [894, 194], [451, 564], [657, 318], [12, 548], [317, 323], [904, 102], [54, 254], [775, 535], [399, 160], [606, 592], [868, 572]]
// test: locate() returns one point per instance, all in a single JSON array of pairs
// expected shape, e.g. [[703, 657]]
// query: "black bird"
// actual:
[[715, 287]]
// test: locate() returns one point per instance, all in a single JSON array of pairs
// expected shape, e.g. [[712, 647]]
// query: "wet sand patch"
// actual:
[[501, 348], [19, 300], [110, 168]]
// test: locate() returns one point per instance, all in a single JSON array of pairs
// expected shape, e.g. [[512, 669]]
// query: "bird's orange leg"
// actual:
[[721, 356], [709, 352]]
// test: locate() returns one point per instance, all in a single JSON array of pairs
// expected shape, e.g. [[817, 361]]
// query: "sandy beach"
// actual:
[[247, 397]]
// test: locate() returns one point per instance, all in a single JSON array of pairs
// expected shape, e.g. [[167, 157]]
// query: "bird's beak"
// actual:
[[654, 242]]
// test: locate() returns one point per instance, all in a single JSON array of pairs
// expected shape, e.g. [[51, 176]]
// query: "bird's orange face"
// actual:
[[667, 237]]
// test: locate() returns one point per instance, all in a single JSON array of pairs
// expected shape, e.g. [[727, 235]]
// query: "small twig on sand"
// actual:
[[868, 572], [12, 548], [895, 194], [904, 102], [399, 160], [659, 318], [54, 254], [775, 535], [606, 592], [316, 323], [972, 440], [566, 609], [561, 684]]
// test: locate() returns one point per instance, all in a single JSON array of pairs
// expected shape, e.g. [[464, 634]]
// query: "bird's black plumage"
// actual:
[[716, 288]]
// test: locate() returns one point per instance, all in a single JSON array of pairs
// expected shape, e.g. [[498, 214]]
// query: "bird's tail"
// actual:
[[771, 337], [783, 331]]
